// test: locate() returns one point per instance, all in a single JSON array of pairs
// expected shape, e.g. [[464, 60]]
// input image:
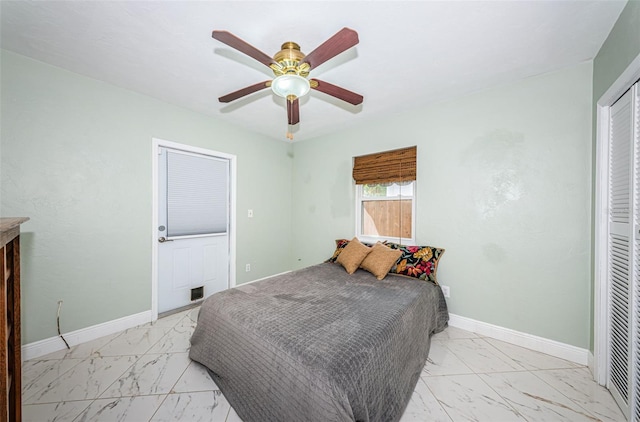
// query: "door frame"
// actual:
[[156, 145], [601, 221]]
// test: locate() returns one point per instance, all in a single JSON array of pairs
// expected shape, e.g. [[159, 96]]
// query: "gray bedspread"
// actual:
[[319, 344]]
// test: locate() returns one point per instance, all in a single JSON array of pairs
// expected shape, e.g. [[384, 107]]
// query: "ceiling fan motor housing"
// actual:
[[288, 59]]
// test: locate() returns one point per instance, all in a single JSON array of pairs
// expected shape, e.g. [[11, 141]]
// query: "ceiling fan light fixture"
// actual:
[[287, 85]]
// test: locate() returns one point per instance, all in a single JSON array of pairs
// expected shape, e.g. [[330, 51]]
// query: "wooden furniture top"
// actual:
[[10, 228], [7, 224]]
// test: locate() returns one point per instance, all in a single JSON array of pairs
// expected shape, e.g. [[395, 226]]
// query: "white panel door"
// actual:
[[193, 227]]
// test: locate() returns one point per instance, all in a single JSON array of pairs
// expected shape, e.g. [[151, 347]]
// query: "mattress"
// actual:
[[319, 344]]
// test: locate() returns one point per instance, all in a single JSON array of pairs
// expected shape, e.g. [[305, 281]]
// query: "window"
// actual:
[[385, 196], [197, 194], [386, 211]]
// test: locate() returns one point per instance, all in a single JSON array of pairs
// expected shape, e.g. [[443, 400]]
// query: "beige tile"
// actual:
[[152, 374], [145, 374], [54, 412], [443, 361], [82, 350], [175, 341], [233, 416], [481, 357], [38, 373], [579, 386], [139, 408], [86, 380], [195, 378], [203, 406], [530, 359], [135, 341], [468, 398], [536, 400], [423, 406], [170, 321], [453, 333]]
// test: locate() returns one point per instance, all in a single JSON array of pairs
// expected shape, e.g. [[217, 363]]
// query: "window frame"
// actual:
[[373, 239]]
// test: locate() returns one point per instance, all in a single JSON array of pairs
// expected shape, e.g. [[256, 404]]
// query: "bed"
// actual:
[[318, 344]]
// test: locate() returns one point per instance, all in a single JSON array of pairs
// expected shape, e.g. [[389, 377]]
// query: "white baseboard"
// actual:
[[260, 279], [539, 344], [53, 344]]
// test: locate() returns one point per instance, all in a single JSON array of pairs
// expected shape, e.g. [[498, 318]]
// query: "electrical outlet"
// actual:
[[250, 213], [445, 291], [247, 267]]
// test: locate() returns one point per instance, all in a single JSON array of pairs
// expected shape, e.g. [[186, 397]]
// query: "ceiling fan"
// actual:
[[291, 68]]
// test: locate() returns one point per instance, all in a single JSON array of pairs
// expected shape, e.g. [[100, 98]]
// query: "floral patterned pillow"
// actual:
[[340, 244], [420, 262]]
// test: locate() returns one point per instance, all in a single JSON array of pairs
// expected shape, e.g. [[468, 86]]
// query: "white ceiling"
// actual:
[[410, 53]]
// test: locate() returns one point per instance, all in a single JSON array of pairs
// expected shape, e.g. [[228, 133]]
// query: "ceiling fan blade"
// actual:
[[293, 111], [341, 41], [242, 46], [244, 91], [336, 91]]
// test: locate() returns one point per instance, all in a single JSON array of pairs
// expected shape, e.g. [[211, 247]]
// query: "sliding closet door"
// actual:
[[621, 241], [635, 407], [624, 253]]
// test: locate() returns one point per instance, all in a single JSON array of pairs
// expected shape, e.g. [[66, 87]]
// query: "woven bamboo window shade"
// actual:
[[398, 165]]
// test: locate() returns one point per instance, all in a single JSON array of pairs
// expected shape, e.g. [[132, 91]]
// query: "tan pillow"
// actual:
[[352, 255], [380, 260]]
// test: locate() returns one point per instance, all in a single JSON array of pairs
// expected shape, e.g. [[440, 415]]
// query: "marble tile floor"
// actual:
[[144, 374]]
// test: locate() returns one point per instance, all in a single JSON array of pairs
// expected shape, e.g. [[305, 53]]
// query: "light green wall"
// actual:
[[504, 185], [621, 47], [76, 159]]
